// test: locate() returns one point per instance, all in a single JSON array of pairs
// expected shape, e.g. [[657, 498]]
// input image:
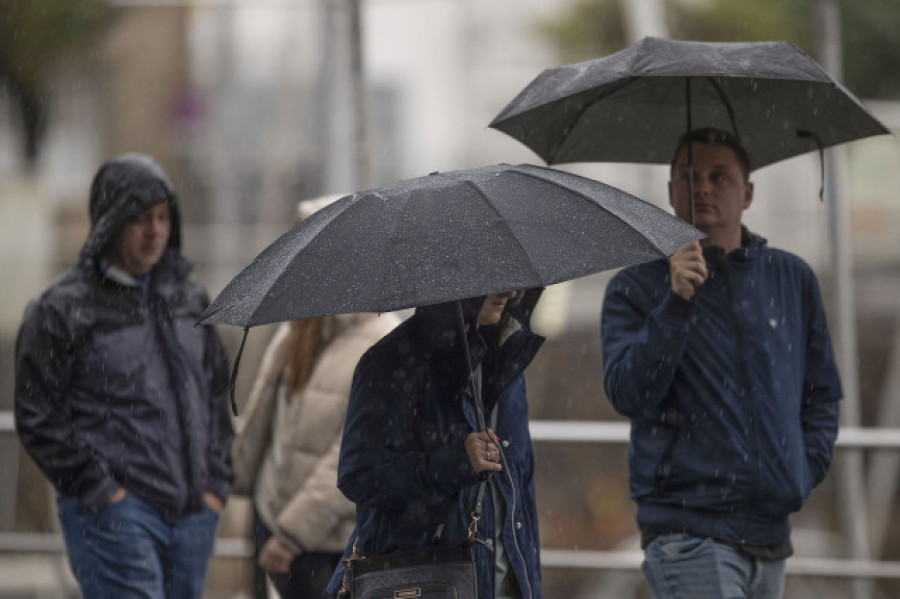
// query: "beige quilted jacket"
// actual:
[[286, 452]]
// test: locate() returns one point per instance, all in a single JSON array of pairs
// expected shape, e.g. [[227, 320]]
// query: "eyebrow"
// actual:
[[719, 166]]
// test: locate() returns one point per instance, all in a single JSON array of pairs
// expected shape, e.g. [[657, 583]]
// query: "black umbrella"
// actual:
[[632, 106], [447, 236], [443, 237]]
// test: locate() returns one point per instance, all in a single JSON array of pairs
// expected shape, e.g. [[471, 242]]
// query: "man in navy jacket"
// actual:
[[722, 360]]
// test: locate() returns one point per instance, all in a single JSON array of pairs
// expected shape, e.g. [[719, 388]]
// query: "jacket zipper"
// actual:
[[753, 434], [512, 523]]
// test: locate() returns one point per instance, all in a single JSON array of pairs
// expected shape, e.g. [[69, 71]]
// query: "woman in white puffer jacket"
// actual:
[[286, 452]]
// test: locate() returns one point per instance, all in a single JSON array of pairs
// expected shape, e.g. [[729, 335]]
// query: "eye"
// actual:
[[716, 177]]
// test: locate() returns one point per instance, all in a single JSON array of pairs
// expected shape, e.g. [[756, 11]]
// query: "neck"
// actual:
[[727, 240], [729, 243]]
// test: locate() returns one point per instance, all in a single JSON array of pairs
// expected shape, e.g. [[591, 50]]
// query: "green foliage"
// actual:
[[591, 28], [872, 47], [739, 20], [588, 29], [34, 33]]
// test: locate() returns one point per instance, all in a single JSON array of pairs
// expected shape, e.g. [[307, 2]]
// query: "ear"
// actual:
[[671, 195], [748, 194]]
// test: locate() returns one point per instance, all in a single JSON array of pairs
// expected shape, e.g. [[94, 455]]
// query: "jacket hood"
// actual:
[[751, 246], [124, 188], [439, 323]]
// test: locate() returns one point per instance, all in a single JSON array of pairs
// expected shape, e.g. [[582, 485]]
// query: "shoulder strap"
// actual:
[[475, 516]]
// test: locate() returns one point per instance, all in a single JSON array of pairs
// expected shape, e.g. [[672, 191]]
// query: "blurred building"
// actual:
[[253, 106]]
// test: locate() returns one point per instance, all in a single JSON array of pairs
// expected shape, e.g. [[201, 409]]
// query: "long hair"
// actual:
[[309, 337]]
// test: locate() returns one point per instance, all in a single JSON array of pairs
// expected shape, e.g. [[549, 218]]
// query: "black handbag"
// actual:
[[427, 573], [431, 572]]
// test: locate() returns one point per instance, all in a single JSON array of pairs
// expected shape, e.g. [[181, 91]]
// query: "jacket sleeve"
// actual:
[[317, 510], [821, 389], [255, 434], [43, 365], [372, 471], [222, 432], [642, 344]]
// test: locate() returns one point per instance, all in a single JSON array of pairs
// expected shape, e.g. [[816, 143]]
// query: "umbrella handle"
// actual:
[[476, 392]]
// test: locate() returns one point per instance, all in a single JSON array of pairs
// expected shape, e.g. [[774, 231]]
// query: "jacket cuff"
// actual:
[[453, 461], [676, 308], [98, 497], [221, 489]]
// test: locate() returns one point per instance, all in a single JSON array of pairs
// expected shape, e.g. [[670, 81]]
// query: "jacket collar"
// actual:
[[437, 328], [171, 268], [752, 245]]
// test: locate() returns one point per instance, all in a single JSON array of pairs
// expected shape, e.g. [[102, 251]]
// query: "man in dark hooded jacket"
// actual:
[[121, 400]]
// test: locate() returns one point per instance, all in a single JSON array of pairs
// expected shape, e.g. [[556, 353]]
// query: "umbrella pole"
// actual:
[[476, 392], [690, 146]]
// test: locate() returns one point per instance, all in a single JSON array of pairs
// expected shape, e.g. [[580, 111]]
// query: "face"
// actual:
[[721, 194], [492, 308], [141, 243]]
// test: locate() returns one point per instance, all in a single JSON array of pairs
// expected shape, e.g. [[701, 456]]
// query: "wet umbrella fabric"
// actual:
[[444, 237], [632, 106]]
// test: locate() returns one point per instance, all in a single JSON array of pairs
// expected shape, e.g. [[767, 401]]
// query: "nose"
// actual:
[[509, 294], [157, 226], [701, 183]]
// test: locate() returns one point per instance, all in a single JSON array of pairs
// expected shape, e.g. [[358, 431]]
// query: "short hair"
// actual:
[[715, 137]]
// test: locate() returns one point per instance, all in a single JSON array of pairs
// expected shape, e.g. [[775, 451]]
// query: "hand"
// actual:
[[274, 557], [481, 447], [213, 502], [119, 495], [687, 269]]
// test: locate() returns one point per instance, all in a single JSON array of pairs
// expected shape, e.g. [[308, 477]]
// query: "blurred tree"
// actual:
[[34, 34], [591, 28], [872, 47]]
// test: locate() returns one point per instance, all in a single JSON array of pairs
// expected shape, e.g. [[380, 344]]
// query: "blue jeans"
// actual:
[[679, 566], [126, 550]]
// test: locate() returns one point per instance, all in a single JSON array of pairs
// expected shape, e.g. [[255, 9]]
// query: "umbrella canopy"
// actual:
[[447, 236], [632, 106]]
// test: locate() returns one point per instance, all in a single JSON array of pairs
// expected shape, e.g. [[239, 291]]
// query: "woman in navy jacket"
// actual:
[[412, 448]]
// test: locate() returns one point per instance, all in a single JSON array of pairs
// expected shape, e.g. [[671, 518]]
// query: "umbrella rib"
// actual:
[[728, 107], [488, 201], [607, 92], [589, 199]]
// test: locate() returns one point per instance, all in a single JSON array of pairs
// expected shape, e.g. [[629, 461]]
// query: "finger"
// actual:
[[487, 465]]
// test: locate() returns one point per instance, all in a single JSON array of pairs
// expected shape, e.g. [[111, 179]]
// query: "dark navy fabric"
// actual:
[[733, 396], [115, 386], [403, 460]]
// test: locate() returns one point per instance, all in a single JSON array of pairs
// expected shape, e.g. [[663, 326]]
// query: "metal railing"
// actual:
[[567, 432]]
